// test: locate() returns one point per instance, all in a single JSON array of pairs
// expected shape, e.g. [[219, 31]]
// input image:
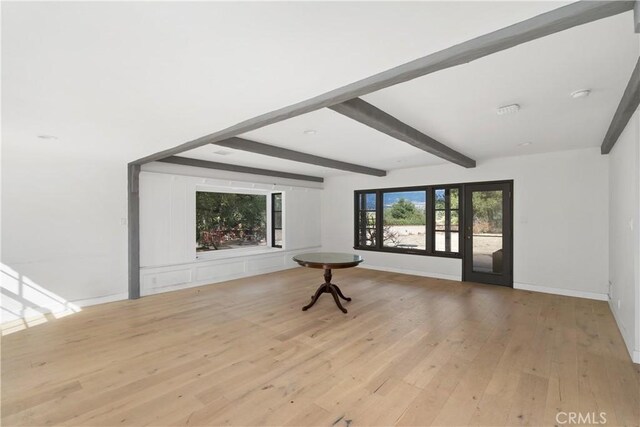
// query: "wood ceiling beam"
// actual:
[[296, 156], [563, 18], [628, 105], [186, 161], [367, 114]]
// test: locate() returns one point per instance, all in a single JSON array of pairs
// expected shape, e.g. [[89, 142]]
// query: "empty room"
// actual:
[[320, 213]]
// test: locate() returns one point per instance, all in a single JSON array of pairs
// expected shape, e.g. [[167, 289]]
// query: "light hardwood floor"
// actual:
[[411, 351]]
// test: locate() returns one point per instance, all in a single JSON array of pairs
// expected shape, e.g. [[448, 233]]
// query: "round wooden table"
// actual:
[[328, 261]]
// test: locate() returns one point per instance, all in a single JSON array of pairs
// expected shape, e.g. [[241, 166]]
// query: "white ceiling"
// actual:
[[124, 80], [458, 106], [337, 137]]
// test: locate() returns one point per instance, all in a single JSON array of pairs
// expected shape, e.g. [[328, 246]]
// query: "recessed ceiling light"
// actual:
[[524, 144], [508, 109], [47, 137], [222, 152], [583, 93], [310, 132]]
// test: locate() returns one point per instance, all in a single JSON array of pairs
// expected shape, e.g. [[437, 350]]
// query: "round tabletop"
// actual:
[[328, 260]]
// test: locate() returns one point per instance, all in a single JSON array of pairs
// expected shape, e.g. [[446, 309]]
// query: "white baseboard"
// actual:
[[100, 300], [521, 286], [628, 342], [412, 272], [561, 291], [71, 307]]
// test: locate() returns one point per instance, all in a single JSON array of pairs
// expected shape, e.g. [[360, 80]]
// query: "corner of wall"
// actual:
[[624, 235]]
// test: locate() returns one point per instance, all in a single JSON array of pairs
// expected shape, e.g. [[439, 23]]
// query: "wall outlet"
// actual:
[[154, 280]]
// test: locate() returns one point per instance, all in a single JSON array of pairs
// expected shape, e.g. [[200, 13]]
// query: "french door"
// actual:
[[488, 233]]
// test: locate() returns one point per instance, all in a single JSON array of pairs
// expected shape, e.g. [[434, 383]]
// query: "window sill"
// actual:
[[410, 252], [236, 253]]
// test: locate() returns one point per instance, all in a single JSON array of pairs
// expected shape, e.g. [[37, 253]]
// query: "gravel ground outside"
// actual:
[[484, 245]]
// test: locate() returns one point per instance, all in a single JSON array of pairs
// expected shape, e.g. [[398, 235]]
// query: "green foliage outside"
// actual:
[[226, 218], [454, 220], [487, 207], [487, 210], [454, 198], [403, 212]]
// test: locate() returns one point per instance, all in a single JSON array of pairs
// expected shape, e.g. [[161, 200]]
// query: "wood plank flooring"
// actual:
[[411, 351]]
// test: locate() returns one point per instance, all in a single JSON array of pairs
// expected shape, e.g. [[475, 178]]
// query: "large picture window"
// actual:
[[227, 221], [404, 219], [417, 220]]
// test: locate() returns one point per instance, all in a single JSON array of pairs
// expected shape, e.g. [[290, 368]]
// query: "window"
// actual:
[[447, 219], [276, 220], [418, 220], [230, 221], [404, 219], [366, 235]]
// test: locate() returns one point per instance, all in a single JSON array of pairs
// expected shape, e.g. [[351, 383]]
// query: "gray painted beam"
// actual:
[[563, 18], [235, 168], [296, 156], [628, 105], [636, 16], [367, 114], [133, 221]]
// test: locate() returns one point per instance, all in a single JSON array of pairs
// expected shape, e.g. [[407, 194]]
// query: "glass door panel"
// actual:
[[487, 236], [488, 233]]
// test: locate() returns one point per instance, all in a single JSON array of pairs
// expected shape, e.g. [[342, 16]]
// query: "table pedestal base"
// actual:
[[329, 288]]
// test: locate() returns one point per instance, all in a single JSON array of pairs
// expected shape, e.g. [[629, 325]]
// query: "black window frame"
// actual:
[[447, 209], [429, 227], [362, 213], [273, 219], [381, 194]]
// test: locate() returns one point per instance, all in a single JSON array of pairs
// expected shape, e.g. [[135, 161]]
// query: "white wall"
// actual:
[[624, 234], [64, 232], [64, 226], [560, 219], [167, 228]]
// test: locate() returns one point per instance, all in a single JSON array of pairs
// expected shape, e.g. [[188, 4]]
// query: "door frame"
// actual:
[[505, 279]]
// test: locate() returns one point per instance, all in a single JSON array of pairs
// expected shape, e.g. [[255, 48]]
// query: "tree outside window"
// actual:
[[230, 220]]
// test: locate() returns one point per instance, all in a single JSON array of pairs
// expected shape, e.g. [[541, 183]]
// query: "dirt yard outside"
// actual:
[[484, 244]]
